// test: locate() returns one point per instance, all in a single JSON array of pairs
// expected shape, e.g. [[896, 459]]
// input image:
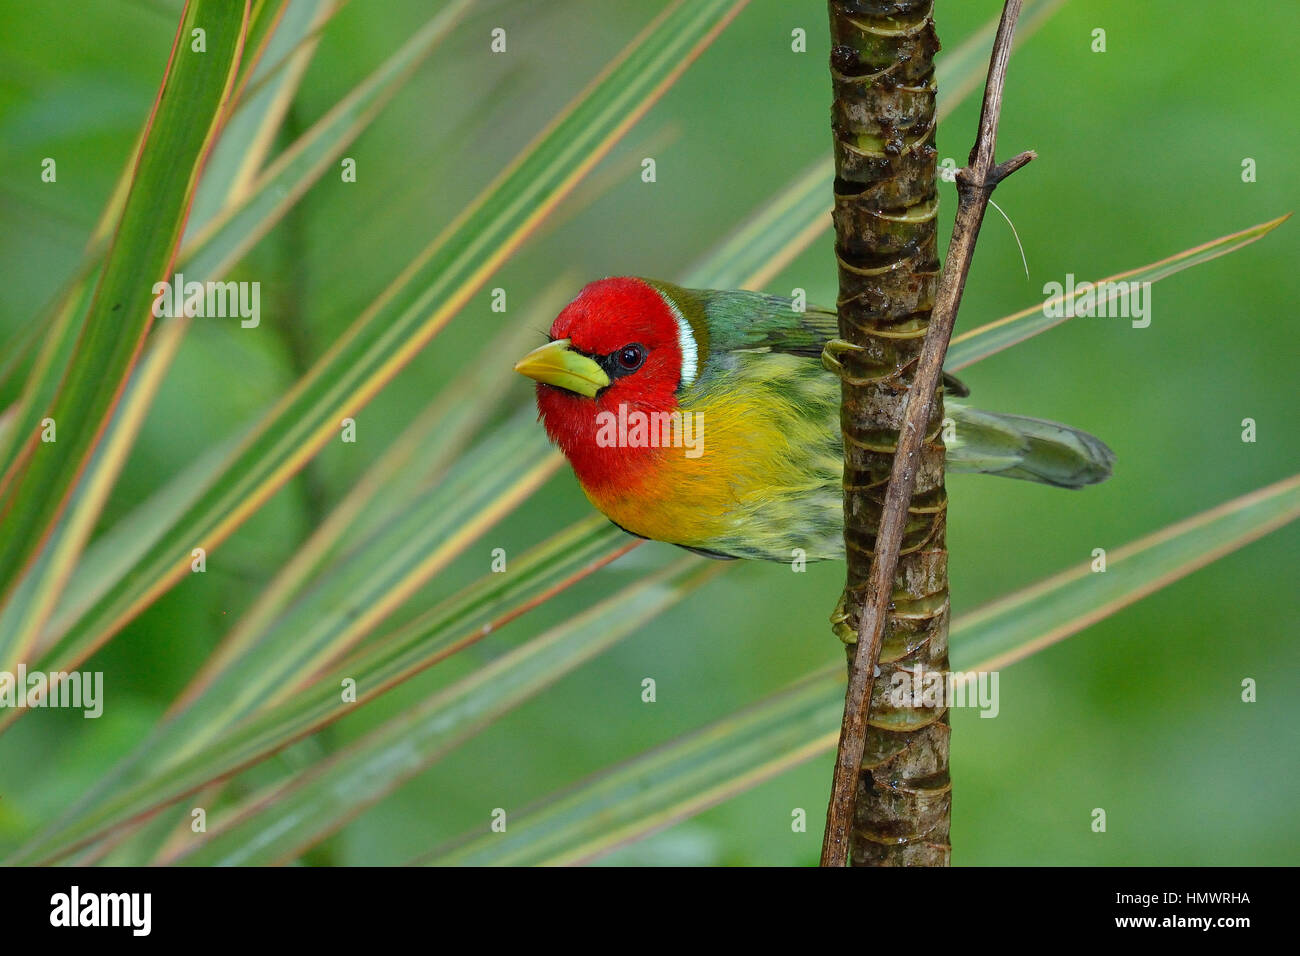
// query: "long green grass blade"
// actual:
[[1012, 628], [970, 347], [242, 145], [33, 599], [345, 605], [225, 237], [463, 620], [350, 599], [58, 324], [121, 543], [664, 785], [185, 120], [276, 827], [249, 213], [281, 32]]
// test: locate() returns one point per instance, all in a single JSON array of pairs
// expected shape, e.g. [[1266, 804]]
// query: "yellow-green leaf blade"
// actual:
[[276, 829], [977, 344], [181, 131]]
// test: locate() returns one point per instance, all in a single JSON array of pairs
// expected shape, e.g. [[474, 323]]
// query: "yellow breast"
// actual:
[[732, 455]]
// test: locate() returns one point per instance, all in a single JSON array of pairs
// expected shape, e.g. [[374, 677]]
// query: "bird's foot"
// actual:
[[843, 622], [867, 373], [831, 353]]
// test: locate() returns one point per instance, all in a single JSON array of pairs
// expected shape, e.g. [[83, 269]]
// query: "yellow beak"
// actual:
[[556, 364]]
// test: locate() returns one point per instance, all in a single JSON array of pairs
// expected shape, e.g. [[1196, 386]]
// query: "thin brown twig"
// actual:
[[975, 184]]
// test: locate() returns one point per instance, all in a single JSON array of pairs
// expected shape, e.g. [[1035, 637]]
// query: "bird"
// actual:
[[706, 419]]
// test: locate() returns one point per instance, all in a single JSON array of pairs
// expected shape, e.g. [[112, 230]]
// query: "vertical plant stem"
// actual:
[[891, 795], [886, 204]]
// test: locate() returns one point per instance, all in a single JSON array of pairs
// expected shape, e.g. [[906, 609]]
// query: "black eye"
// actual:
[[630, 357]]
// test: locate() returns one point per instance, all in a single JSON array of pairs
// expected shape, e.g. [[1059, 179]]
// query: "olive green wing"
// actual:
[[754, 320]]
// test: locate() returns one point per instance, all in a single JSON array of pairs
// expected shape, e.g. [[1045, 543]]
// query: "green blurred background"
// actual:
[[1140, 156]]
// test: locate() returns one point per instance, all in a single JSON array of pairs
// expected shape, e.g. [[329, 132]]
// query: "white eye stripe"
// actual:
[[686, 341]]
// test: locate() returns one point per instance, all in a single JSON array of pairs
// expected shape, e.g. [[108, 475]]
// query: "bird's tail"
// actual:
[[1028, 448]]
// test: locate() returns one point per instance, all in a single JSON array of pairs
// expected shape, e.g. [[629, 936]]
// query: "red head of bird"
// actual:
[[620, 346]]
